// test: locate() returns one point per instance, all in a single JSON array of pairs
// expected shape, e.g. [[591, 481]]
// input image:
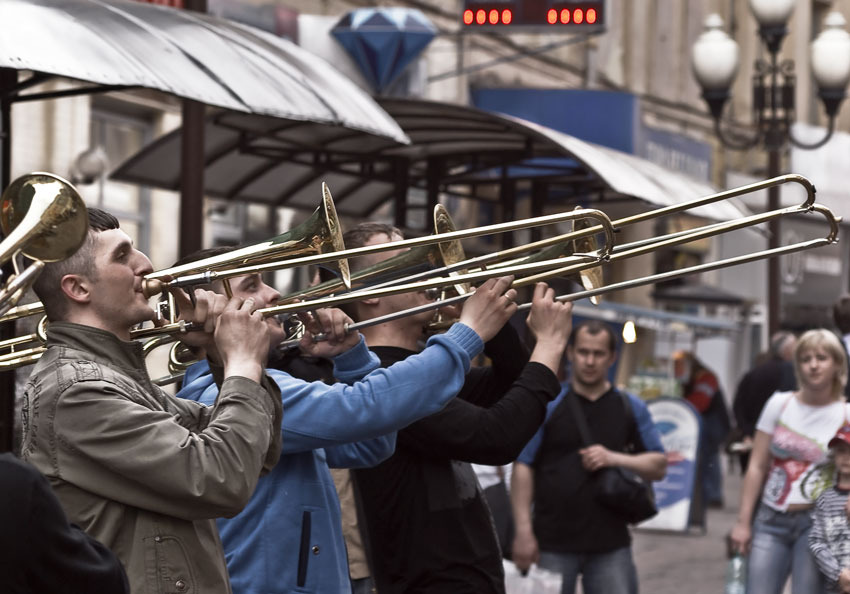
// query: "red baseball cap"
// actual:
[[843, 435]]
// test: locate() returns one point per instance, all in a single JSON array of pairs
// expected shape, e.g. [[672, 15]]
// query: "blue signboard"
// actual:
[[679, 423]]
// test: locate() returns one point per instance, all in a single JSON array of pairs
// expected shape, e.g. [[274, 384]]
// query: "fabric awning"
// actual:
[[215, 61], [249, 160], [452, 146]]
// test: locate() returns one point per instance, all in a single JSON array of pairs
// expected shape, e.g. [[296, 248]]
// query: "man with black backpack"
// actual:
[[572, 532]]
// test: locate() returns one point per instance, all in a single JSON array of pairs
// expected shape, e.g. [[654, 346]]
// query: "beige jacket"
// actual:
[[144, 472]]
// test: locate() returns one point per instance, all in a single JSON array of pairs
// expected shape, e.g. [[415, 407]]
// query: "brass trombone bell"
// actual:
[[44, 218], [318, 235], [589, 278]]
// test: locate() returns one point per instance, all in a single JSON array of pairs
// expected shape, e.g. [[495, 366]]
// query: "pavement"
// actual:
[[692, 562]]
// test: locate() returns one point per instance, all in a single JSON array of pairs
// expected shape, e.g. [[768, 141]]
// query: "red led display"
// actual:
[[545, 15]]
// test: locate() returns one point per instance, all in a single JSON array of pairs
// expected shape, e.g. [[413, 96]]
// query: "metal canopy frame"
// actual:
[[454, 150]]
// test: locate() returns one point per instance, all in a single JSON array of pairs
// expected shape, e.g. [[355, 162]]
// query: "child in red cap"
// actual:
[[829, 538]]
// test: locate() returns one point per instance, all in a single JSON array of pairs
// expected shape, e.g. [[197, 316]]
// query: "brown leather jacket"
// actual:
[[141, 471]]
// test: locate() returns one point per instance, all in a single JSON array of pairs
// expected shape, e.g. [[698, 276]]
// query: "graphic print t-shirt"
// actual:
[[800, 469]]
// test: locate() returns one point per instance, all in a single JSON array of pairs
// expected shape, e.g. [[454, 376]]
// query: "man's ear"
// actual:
[[76, 288]]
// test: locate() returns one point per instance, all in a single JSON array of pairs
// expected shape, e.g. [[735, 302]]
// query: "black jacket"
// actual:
[[754, 389], [39, 550], [428, 525]]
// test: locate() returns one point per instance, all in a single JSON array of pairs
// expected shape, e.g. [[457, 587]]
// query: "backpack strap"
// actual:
[[635, 441], [581, 421]]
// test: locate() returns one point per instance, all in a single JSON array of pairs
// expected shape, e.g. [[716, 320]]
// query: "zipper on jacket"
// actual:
[[304, 551]]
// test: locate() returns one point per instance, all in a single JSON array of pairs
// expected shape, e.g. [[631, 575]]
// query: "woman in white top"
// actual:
[[789, 467]]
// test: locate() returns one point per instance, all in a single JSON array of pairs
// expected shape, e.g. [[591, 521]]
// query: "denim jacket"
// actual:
[[141, 471]]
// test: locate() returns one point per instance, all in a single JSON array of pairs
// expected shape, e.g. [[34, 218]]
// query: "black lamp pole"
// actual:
[[773, 107]]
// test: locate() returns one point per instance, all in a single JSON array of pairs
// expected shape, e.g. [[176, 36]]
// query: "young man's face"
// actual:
[[591, 358], [116, 289], [402, 301], [252, 286]]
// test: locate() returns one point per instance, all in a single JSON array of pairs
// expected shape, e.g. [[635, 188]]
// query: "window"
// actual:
[[116, 137]]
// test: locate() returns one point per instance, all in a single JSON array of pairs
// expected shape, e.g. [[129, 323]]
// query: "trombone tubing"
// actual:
[[645, 246], [580, 234], [22, 311], [213, 275], [725, 263], [549, 266], [423, 285]]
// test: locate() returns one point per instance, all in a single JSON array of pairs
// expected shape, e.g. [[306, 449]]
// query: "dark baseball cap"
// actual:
[[843, 435]]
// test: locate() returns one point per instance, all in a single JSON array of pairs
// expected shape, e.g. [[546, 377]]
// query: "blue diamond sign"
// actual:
[[383, 41]]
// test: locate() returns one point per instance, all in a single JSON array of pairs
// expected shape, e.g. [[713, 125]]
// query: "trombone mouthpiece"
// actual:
[[151, 287]]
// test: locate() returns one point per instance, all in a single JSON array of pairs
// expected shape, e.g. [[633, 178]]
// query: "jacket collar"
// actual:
[[104, 346]]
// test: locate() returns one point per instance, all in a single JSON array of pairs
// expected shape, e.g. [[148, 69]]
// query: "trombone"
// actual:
[[578, 262], [153, 285], [830, 238], [43, 218]]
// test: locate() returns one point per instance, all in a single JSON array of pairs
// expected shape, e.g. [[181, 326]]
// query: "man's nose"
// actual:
[[144, 265], [271, 295]]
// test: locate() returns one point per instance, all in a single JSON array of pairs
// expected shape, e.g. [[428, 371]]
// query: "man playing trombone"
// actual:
[[141, 471], [428, 525], [289, 537]]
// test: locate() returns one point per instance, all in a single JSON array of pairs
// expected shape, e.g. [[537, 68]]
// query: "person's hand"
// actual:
[[332, 323], [595, 457], [741, 537], [524, 552], [202, 314], [490, 307], [550, 321], [242, 339], [844, 581]]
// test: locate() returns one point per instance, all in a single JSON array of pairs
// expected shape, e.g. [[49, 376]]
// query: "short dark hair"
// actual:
[[778, 342], [357, 237], [46, 286], [841, 313], [594, 327]]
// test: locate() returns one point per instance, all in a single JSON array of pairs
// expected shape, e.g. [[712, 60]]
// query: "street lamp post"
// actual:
[[714, 58]]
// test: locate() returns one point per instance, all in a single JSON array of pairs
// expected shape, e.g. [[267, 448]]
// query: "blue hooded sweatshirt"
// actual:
[[289, 537]]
